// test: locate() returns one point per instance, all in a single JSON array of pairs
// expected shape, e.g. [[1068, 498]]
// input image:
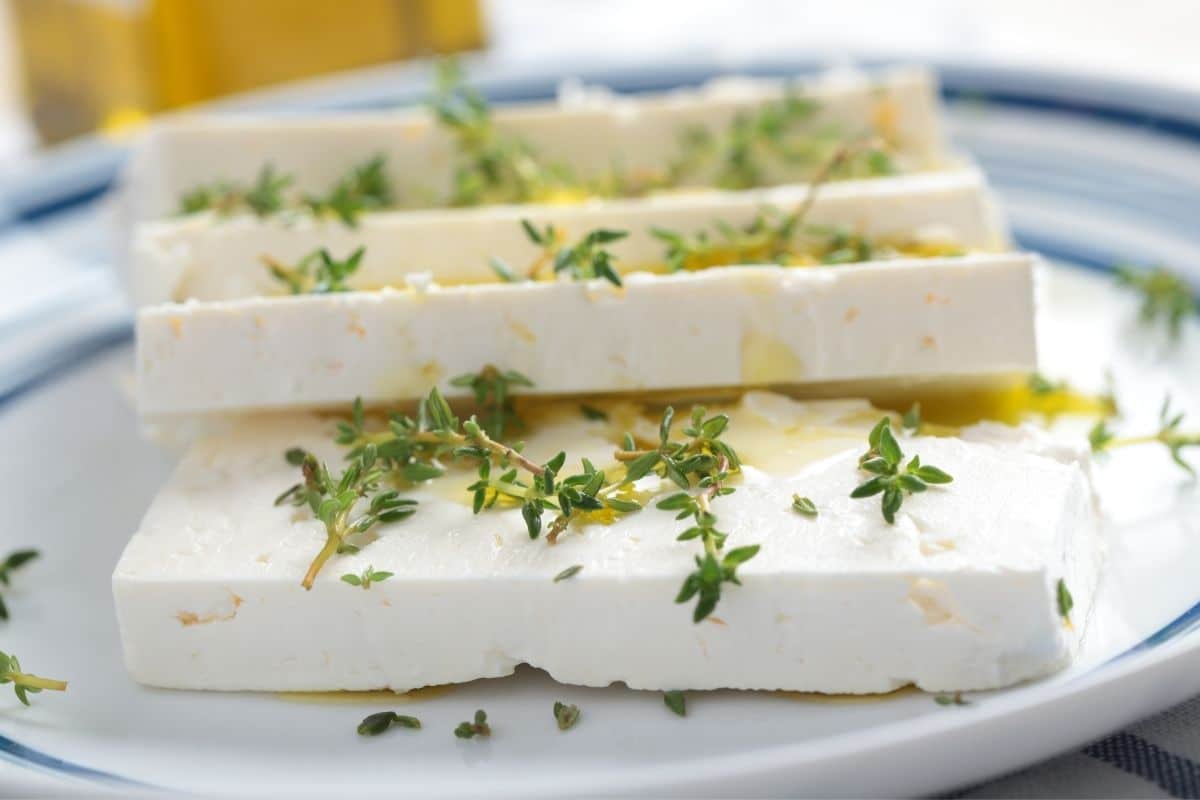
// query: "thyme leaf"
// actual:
[[14, 561], [367, 577], [1064, 600], [569, 572], [675, 701], [478, 727], [803, 505], [565, 715], [375, 724]]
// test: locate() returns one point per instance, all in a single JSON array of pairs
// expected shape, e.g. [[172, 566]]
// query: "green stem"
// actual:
[[35, 682]]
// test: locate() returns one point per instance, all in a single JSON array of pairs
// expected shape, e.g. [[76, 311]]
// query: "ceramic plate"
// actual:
[[1090, 173]]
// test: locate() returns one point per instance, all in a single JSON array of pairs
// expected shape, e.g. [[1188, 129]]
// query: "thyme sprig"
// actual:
[[705, 460], [366, 188], [14, 561], [1166, 298], [263, 197], [715, 567], [771, 237], [492, 390], [1170, 434], [492, 167], [25, 683], [333, 502], [774, 132], [317, 273], [883, 460], [585, 260]]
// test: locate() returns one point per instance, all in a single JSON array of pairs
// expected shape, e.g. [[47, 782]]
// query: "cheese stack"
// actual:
[[907, 282]]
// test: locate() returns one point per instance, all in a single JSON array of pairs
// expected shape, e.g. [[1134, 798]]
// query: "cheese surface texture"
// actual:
[[733, 326], [205, 257], [958, 594]]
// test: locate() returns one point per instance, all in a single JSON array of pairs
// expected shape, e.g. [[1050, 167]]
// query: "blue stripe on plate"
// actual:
[[1133, 754], [24, 755]]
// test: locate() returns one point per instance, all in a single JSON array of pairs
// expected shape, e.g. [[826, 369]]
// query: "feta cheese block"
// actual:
[[937, 318], [638, 132], [958, 594], [205, 257]]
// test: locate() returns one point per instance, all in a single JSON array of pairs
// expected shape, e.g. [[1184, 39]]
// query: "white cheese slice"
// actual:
[[959, 594], [638, 132], [207, 258], [927, 319]]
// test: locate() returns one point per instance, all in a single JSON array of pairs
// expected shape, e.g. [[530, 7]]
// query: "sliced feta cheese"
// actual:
[[926, 319], [638, 132], [958, 594], [206, 258]]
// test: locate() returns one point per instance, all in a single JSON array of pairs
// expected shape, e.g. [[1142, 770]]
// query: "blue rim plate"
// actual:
[[1091, 173]]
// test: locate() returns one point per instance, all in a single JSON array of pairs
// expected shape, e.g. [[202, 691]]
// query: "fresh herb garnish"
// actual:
[[773, 237], [492, 167], [469, 730], [1065, 601], [317, 273], [492, 389], [585, 260], [911, 421], [565, 715], [592, 413], [375, 724], [366, 188], [1169, 434], [369, 576], [333, 501], [882, 460], [14, 561], [954, 699], [24, 683], [264, 197], [1041, 386], [709, 461], [1166, 297], [569, 572], [803, 505], [675, 701]]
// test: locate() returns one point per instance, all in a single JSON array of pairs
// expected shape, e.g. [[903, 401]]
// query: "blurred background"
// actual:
[[70, 67]]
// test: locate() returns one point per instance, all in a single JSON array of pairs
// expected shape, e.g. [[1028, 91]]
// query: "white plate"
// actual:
[[75, 478]]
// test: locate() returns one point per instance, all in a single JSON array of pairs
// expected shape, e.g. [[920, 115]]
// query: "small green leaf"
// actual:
[[569, 572], [565, 715], [592, 413], [1065, 601], [675, 701], [804, 505]]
